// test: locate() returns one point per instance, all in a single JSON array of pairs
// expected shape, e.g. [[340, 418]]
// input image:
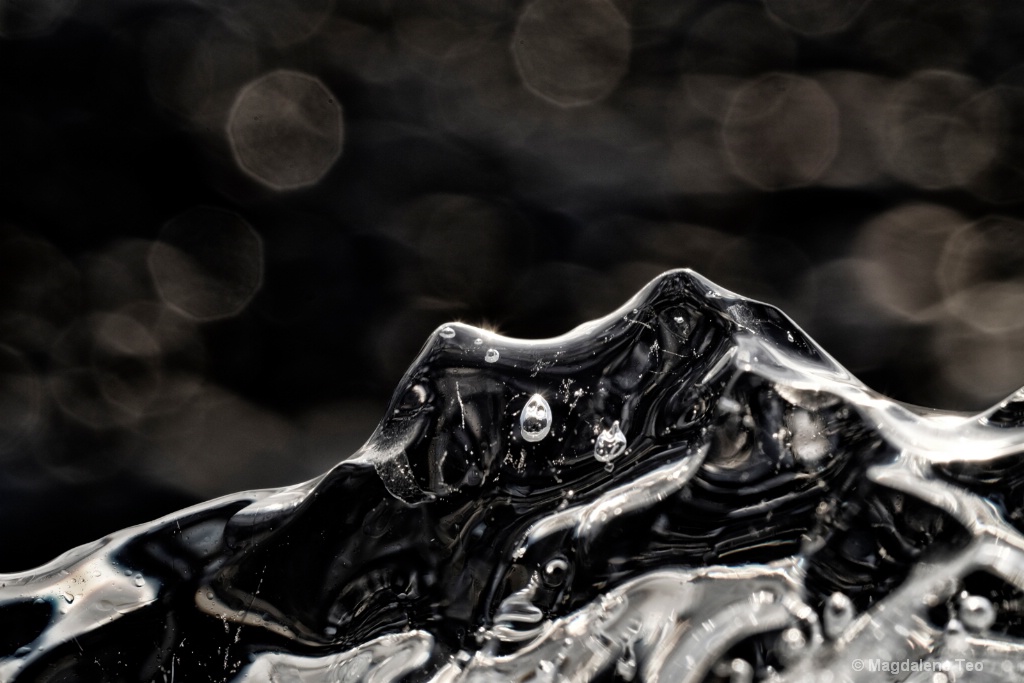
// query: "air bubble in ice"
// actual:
[[739, 671], [610, 443], [626, 666], [546, 672], [792, 645], [491, 356], [139, 581], [447, 332], [837, 615], [809, 443], [956, 635], [976, 613], [535, 420], [555, 572]]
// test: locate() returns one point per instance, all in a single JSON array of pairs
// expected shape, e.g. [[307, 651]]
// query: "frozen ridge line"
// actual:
[[688, 489]]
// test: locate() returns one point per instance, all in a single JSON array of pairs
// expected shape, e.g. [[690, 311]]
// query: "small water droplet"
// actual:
[[610, 443], [447, 332], [22, 651], [209, 595], [68, 597], [139, 581], [478, 341], [789, 336], [535, 419], [491, 356], [97, 572]]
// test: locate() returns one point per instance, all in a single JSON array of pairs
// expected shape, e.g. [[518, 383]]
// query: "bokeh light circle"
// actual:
[[286, 129], [571, 53], [208, 263], [781, 131]]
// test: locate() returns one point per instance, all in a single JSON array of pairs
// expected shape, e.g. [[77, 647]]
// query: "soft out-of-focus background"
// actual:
[[226, 226]]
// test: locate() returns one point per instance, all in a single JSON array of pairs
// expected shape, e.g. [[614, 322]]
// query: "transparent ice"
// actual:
[[772, 519]]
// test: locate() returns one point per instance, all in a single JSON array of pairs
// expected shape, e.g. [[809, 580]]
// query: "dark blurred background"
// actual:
[[226, 226]]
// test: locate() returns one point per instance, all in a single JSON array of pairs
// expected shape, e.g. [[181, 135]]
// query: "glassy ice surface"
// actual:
[[771, 518]]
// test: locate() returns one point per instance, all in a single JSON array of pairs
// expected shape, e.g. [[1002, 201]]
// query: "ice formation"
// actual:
[[686, 490]]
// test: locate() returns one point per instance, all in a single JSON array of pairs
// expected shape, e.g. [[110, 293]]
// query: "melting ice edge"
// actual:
[[689, 489]]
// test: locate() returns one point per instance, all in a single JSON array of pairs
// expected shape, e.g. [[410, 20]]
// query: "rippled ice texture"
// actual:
[[696, 492]]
